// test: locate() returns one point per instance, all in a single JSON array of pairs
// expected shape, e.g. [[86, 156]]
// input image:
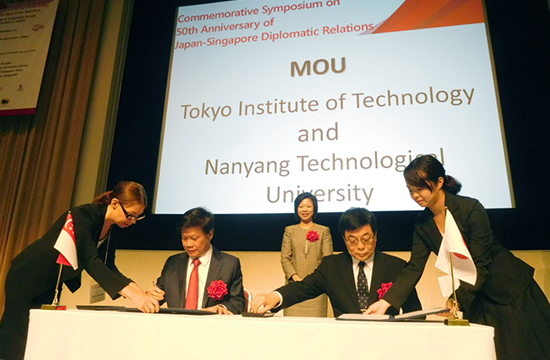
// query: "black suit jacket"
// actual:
[[500, 275], [334, 277], [35, 268], [222, 267]]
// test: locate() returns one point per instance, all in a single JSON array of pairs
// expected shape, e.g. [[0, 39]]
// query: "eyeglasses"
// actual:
[[131, 217], [365, 240]]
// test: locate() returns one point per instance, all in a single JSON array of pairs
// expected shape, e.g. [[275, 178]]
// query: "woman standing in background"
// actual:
[[304, 246]]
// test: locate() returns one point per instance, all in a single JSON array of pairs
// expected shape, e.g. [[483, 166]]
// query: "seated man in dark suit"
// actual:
[[202, 277], [352, 280]]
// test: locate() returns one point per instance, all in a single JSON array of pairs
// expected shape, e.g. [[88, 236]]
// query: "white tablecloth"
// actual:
[[82, 335]]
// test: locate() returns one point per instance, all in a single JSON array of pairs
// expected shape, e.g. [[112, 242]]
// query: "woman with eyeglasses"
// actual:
[[504, 294], [32, 278], [304, 246]]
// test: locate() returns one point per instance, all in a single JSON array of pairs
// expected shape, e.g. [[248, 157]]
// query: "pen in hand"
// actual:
[[156, 292]]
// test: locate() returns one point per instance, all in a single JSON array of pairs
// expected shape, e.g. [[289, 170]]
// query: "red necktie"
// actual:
[[193, 292]]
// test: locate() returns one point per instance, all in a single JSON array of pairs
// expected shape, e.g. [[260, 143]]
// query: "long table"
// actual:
[[83, 335]]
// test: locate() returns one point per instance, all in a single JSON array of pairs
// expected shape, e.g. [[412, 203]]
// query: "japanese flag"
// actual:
[[453, 245], [66, 244]]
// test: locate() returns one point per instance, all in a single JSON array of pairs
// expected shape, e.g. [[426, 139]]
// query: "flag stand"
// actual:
[[66, 245], [455, 320], [55, 304]]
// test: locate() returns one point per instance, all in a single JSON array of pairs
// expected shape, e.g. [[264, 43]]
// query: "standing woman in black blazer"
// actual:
[[32, 278], [505, 295]]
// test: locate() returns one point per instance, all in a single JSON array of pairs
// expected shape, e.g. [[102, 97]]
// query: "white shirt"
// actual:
[[368, 273], [203, 274]]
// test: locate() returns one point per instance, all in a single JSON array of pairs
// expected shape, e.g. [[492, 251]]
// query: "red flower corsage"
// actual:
[[217, 290], [384, 289], [312, 236]]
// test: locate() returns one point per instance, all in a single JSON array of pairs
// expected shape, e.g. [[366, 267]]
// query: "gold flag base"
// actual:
[[457, 322], [53, 307]]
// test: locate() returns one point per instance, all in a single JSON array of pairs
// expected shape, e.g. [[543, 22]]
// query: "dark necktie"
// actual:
[[362, 287], [192, 299]]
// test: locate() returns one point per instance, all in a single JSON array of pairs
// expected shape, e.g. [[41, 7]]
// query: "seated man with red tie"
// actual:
[[202, 277], [352, 280]]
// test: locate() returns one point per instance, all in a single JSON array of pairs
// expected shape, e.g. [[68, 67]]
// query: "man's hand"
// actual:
[[221, 310], [156, 293], [262, 303], [378, 307]]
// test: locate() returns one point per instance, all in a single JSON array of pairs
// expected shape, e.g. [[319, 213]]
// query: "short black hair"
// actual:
[[197, 217], [354, 218]]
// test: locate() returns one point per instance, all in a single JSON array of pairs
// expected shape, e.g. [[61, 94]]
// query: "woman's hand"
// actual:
[[296, 278], [449, 305], [143, 301], [378, 307], [221, 310], [156, 292]]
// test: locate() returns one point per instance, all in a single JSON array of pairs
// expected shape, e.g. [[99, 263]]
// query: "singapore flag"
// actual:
[[66, 244]]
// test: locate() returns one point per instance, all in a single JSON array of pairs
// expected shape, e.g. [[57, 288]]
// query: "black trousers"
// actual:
[[522, 328], [14, 325]]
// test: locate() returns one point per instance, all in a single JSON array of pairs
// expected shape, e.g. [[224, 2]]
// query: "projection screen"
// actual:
[[267, 99]]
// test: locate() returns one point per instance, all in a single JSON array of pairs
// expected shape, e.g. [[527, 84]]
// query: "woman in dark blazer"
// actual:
[[32, 278], [505, 295]]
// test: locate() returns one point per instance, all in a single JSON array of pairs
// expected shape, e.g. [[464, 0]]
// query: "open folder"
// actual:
[[417, 315], [130, 309]]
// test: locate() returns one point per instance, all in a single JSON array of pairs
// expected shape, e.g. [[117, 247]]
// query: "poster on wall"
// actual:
[[25, 33]]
